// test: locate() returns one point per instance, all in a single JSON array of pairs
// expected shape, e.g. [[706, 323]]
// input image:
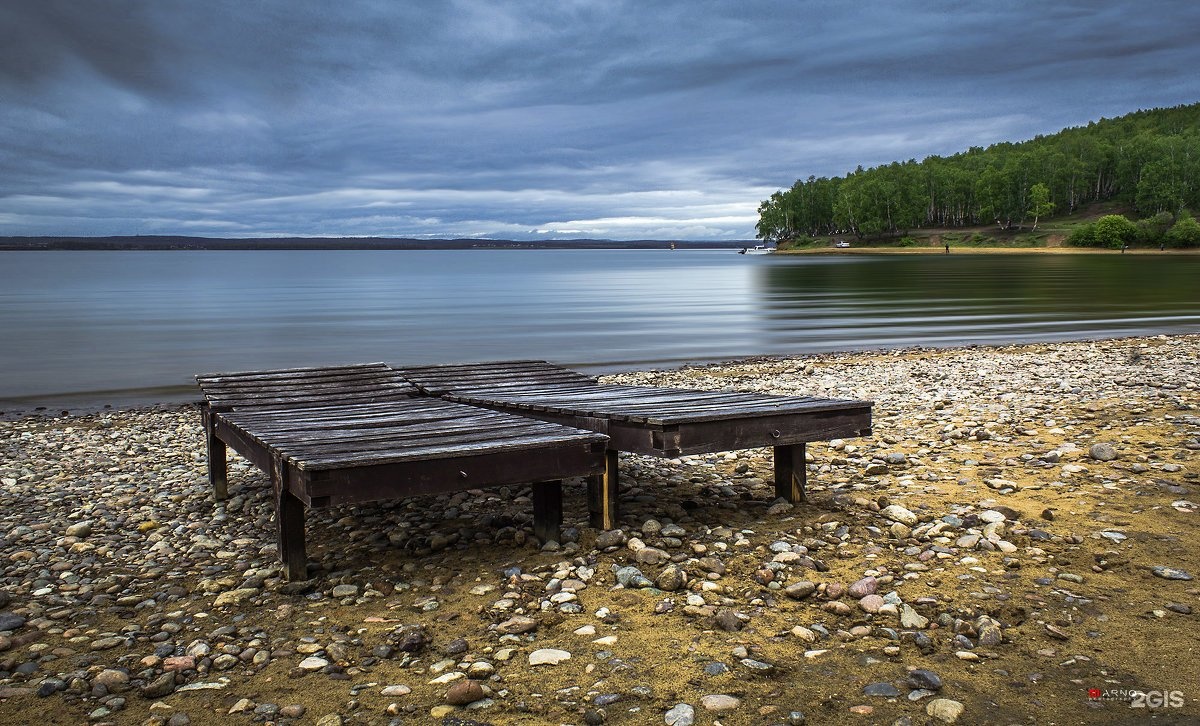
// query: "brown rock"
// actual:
[[460, 693], [179, 663], [516, 625]]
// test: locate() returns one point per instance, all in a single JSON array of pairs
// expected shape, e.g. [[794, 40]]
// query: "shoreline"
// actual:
[[998, 533], [57, 405], [867, 250]]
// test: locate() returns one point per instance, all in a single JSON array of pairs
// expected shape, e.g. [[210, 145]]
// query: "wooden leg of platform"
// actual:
[[289, 519], [547, 509], [602, 494], [790, 472], [217, 473]]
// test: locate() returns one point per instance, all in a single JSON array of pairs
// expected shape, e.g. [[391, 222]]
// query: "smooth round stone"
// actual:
[[11, 621], [800, 590], [897, 513], [112, 679], [871, 603], [886, 690], [944, 710], [106, 643], [313, 663], [463, 692]]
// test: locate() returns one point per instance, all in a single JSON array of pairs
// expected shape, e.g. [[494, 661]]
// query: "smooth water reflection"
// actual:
[[840, 303], [139, 324]]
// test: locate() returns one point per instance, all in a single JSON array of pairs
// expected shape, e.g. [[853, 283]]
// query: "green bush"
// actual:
[[909, 242], [1184, 233], [1152, 229], [1115, 231], [1083, 236]]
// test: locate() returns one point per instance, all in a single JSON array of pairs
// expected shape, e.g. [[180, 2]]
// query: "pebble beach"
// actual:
[[1014, 544]]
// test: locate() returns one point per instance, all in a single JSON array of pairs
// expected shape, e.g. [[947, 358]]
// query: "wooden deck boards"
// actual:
[[361, 433], [537, 385], [651, 420]]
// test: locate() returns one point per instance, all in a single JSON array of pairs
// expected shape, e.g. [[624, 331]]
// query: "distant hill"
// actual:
[[339, 243], [1147, 161]]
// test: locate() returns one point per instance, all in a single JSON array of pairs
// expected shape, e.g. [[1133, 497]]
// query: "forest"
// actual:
[[1146, 163]]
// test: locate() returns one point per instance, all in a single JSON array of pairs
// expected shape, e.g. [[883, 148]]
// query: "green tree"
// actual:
[[1115, 231], [1039, 202]]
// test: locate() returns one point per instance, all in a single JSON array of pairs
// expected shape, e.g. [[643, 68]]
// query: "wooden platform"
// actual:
[[348, 434], [666, 422]]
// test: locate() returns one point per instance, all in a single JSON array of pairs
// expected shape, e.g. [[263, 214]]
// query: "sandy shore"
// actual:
[[1014, 544]]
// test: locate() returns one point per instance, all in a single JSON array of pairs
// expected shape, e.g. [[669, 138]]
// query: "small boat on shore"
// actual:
[[756, 250]]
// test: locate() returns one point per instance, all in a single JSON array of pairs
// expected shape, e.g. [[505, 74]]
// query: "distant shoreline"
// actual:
[[121, 243]]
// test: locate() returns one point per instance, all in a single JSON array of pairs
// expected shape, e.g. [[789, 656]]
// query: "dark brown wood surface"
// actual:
[[363, 383], [538, 386], [361, 433], [333, 437]]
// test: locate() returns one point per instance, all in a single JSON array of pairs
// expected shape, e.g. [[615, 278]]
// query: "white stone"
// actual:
[[548, 656], [897, 513], [720, 702]]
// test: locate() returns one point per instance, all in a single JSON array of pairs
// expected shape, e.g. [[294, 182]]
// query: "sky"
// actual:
[[531, 120]]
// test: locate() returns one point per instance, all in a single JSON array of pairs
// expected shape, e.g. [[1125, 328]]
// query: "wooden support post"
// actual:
[[289, 520], [790, 473], [218, 476], [547, 509], [602, 494]]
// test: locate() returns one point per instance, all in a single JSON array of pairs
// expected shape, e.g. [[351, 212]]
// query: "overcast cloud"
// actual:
[[530, 119]]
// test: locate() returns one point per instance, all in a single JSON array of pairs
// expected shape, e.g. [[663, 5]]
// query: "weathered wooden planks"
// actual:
[[365, 383], [349, 434], [650, 420]]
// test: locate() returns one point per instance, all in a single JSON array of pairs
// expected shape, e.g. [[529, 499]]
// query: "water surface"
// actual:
[[135, 326]]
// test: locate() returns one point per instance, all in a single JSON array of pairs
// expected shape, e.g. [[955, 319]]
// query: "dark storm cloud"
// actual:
[[515, 119]]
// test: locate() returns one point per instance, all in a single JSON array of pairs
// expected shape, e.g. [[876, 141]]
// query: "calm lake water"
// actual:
[[81, 328]]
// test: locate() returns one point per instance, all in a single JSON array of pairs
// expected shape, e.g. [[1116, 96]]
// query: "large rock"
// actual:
[[681, 714], [910, 618], [233, 597], [944, 710], [548, 656], [864, 587], [1103, 452], [672, 578], [516, 625], [800, 590], [160, 687], [897, 513], [11, 621], [463, 692]]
